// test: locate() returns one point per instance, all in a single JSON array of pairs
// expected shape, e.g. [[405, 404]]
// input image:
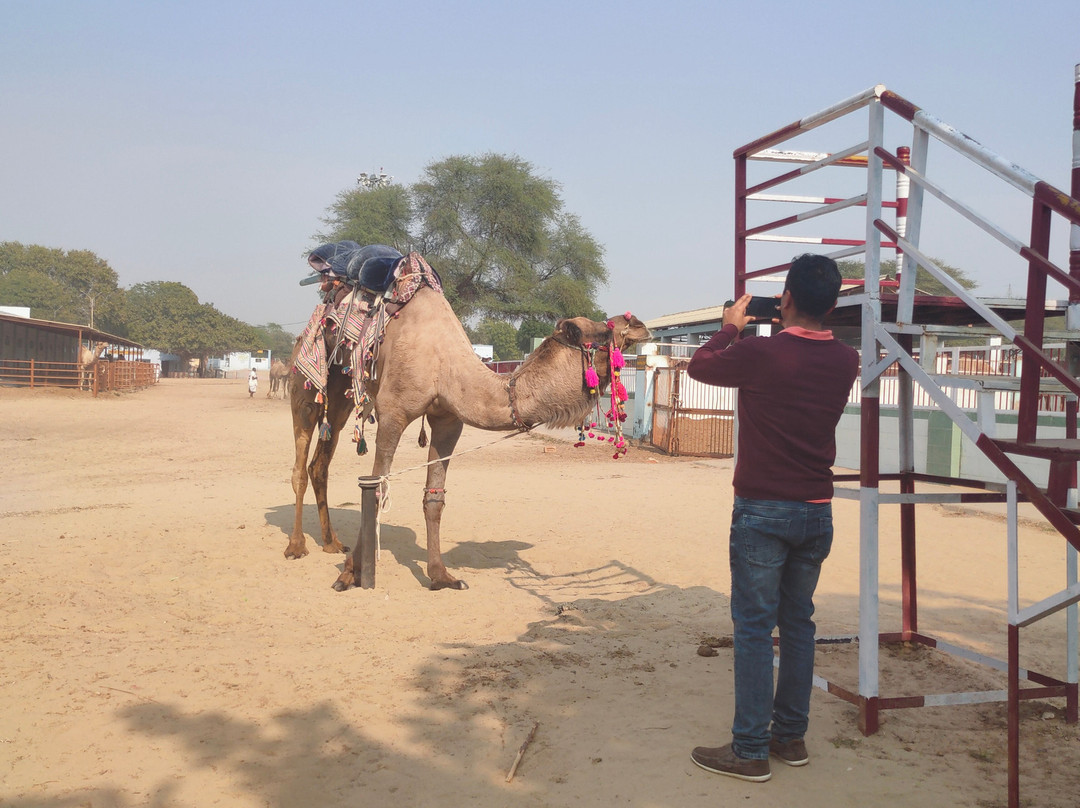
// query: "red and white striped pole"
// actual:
[[903, 190]]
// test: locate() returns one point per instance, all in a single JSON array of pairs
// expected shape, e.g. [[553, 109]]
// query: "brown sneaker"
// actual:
[[792, 752], [723, 760]]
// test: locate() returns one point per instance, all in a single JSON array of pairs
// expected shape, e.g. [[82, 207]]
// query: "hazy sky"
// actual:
[[202, 142]]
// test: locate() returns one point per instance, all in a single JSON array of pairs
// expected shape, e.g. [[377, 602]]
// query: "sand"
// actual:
[[159, 650]]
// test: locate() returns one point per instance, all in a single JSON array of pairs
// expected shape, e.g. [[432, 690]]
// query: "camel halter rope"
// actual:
[[616, 414]]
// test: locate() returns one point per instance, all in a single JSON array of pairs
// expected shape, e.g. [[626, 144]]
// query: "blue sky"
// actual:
[[202, 142]]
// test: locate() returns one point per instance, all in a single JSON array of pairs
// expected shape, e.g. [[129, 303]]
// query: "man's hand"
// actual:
[[735, 314]]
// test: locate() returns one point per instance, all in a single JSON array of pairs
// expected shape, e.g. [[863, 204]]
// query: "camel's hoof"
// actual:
[[291, 552], [335, 548], [459, 585], [340, 587], [344, 581]]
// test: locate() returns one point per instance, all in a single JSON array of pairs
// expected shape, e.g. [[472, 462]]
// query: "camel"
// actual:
[[426, 367], [88, 359], [279, 378]]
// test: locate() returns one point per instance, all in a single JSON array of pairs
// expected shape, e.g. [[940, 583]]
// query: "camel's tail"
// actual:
[[422, 441]]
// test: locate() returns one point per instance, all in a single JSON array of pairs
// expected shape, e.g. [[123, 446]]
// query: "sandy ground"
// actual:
[[158, 649]]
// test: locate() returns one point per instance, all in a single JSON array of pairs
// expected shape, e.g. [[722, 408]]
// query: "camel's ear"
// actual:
[[571, 332]]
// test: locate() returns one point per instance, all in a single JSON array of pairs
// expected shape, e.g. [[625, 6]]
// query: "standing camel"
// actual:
[[426, 367], [279, 379], [88, 359]]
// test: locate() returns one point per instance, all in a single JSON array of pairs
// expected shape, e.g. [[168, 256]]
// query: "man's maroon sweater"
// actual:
[[792, 390]]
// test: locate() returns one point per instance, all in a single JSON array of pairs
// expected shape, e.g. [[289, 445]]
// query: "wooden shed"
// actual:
[[45, 353]]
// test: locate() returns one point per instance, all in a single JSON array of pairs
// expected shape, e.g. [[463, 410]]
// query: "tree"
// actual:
[[168, 316], [371, 216], [500, 335], [95, 282], [531, 329], [925, 283], [73, 287], [495, 231], [277, 340]]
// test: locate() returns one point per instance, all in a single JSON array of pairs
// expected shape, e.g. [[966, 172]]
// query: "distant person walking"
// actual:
[[253, 383], [792, 392]]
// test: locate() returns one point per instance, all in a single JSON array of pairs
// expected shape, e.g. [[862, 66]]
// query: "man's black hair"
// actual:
[[814, 283]]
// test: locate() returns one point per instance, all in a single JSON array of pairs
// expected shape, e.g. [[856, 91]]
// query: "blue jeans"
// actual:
[[776, 552]]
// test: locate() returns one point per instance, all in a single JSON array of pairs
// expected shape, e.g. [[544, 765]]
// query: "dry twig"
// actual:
[[521, 751]]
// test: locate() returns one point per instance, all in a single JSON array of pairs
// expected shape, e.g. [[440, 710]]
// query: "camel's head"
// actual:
[[627, 330], [623, 330]]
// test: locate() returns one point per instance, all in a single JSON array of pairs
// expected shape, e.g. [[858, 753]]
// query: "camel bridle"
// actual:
[[587, 350]]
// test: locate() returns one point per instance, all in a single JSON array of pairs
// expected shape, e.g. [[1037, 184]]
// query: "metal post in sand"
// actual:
[[369, 540]]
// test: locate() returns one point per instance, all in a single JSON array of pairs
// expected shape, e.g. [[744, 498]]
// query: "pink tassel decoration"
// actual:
[[617, 359], [591, 379]]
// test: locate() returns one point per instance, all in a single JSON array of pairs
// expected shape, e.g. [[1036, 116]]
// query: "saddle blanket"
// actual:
[[347, 333]]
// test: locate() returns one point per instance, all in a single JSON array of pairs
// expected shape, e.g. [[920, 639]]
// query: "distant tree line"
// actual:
[[77, 286]]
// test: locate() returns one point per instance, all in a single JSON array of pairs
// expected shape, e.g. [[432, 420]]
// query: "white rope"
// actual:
[[384, 480], [384, 484]]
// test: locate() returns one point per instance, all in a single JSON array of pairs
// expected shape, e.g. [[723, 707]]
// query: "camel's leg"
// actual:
[[387, 438], [305, 415], [303, 428], [337, 416], [445, 432]]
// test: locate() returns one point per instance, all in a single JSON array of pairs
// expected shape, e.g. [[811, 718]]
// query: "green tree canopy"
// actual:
[[531, 329], [277, 340], [926, 283], [375, 216], [500, 335], [168, 316], [72, 287], [495, 231]]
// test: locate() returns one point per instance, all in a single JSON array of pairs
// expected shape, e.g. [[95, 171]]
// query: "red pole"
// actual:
[[1074, 190], [740, 226], [1034, 314], [1072, 695]]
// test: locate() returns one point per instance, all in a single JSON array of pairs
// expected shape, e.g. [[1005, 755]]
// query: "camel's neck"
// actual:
[[90, 356], [549, 388]]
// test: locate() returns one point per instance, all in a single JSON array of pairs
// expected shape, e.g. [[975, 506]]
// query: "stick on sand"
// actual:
[[521, 751]]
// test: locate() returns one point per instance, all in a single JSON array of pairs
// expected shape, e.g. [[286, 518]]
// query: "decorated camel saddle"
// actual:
[[367, 286]]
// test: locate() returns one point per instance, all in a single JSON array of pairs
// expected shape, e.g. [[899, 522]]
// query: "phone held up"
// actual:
[[761, 308]]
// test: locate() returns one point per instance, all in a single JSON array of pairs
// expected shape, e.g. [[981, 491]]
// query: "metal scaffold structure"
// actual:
[[900, 329]]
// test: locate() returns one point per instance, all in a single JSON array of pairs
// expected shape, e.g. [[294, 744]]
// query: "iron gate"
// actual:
[[703, 430]]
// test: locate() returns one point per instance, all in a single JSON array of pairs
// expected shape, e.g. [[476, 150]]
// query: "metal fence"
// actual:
[[103, 376], [691, 418]]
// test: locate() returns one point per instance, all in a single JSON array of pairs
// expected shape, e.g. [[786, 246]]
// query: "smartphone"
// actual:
[[761, 308]]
